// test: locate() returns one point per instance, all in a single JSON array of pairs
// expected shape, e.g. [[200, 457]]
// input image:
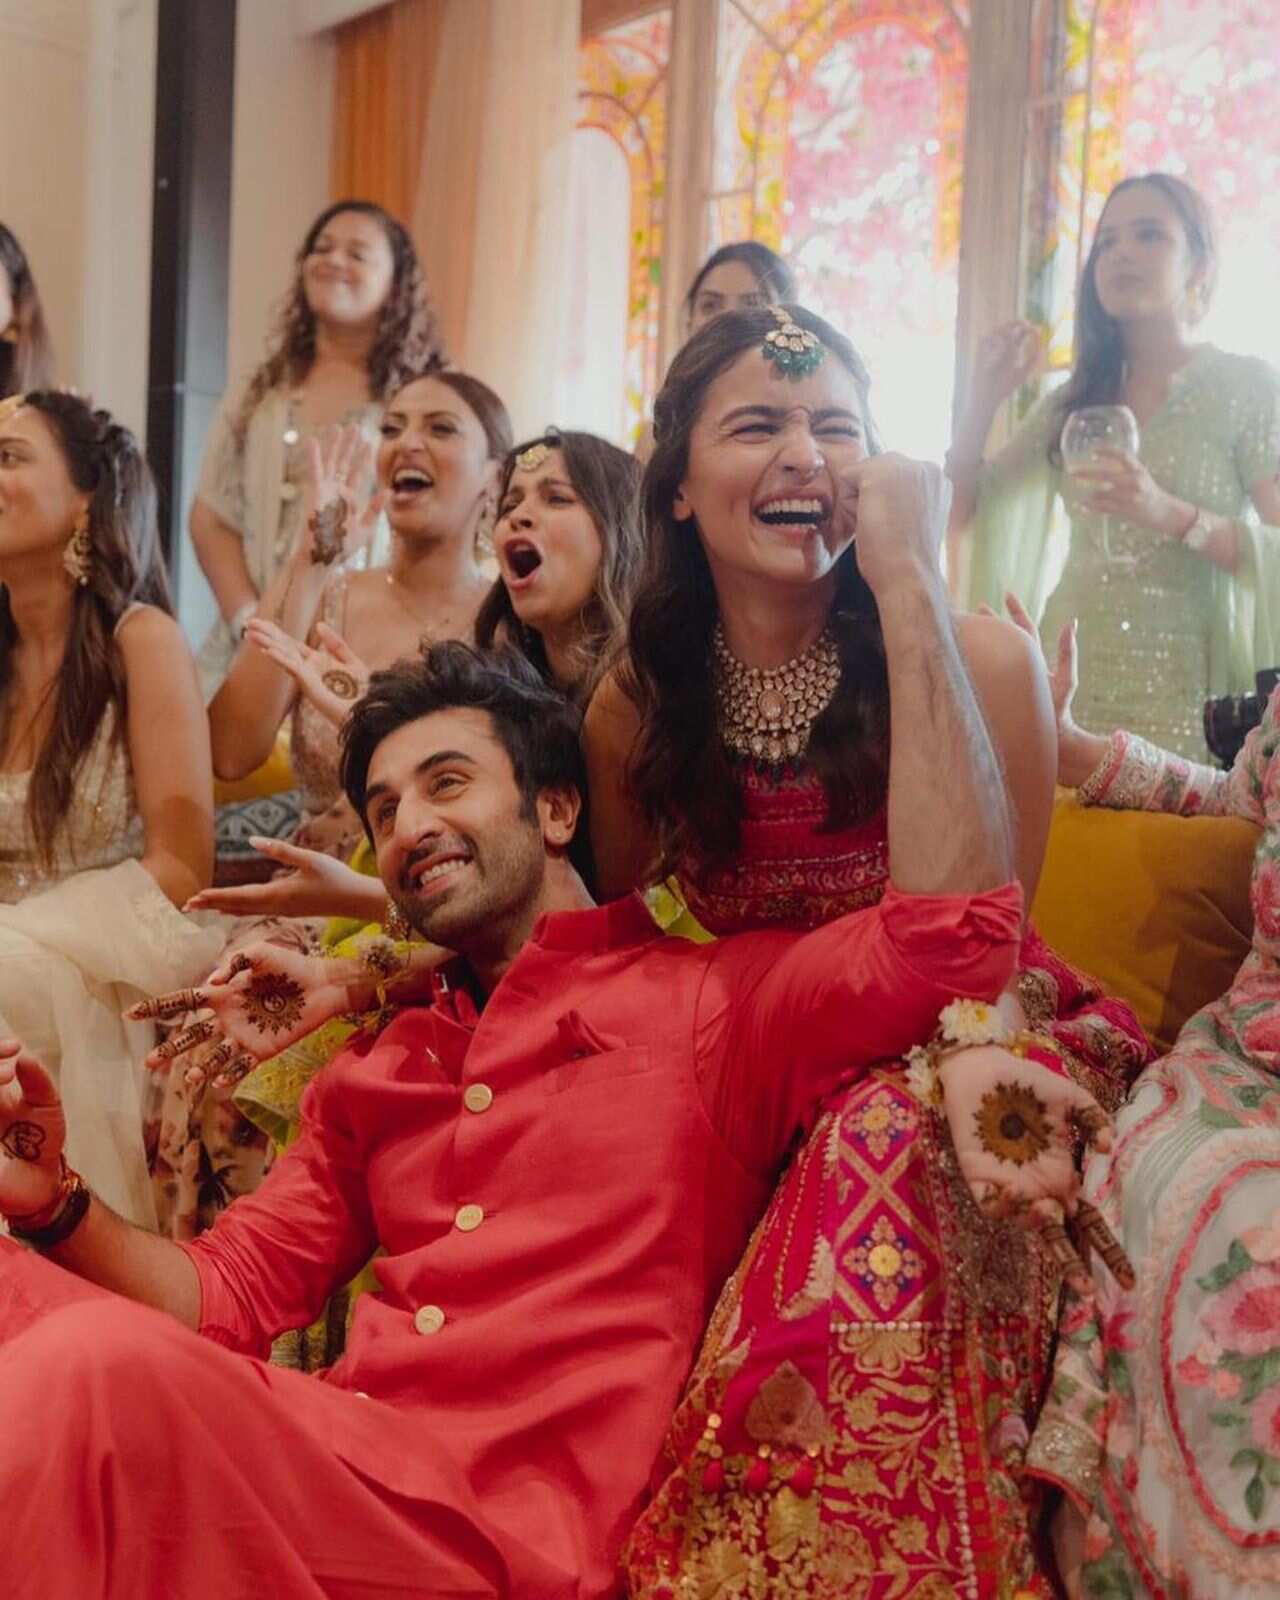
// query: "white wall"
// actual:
[[43, 51], [119, 133], [313, 16], [280, 171], [77, 113]]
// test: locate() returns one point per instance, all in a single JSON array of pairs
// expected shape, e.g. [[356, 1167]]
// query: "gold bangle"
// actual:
[[395, 924]]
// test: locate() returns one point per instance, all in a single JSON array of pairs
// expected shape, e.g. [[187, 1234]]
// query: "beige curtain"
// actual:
[[385, 64], [491, 216]]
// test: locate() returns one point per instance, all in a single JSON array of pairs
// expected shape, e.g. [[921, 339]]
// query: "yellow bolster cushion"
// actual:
[[1155, 907], [274, 776]]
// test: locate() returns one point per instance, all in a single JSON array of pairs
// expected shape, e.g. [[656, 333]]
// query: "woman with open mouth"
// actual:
[[858, 1415], [443, 437], [568, 546], [569, 552]]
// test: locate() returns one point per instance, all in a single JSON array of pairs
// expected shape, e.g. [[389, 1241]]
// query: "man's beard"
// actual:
[[501, 878]]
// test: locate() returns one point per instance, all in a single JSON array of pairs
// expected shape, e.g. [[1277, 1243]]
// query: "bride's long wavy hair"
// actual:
[[125, 567], [680, 773]]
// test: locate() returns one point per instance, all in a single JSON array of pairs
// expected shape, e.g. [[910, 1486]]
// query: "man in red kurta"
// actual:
[[561, 1153]]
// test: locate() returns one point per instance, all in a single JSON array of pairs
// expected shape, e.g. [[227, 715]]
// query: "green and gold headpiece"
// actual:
[[793, 350]]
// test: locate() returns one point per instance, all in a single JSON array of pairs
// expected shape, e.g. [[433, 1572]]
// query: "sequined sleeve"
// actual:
[[1026, 452], [1257, 445], [221, 484], [1136, 775]]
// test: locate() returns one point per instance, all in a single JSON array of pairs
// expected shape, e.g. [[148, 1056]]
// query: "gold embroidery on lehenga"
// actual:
[[1038, 993]]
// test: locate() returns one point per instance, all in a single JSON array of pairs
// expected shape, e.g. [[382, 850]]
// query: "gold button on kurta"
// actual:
[[477, 1097], [428, 1319], [468, 1218]]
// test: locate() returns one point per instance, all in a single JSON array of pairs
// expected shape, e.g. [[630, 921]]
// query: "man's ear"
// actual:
[[558, 813]]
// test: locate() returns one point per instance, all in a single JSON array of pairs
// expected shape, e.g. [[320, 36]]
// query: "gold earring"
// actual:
[[78, 551], [485, 524]]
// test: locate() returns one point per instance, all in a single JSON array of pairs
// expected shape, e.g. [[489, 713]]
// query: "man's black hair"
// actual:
[[536, 725]]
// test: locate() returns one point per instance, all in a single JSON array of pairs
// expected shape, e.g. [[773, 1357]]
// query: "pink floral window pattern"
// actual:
[[839, 141], [1182, 86], [622, 92]]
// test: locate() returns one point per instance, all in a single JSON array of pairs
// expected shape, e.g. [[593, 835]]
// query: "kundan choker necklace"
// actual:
[[767, 713]]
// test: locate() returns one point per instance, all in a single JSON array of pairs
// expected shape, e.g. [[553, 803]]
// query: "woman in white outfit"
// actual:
[[105, 783]]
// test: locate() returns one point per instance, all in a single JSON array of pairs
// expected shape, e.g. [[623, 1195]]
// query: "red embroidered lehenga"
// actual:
[[856, 1421]]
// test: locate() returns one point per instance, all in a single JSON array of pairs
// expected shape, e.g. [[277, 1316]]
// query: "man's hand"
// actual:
[[1016, 1126], [33, 1130], [257, 1002], [899, 511]]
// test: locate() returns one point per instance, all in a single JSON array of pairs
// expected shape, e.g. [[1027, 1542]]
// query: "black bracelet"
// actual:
[[64, 1224]]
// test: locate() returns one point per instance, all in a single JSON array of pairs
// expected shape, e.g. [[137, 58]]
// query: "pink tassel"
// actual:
[[757, 1478]]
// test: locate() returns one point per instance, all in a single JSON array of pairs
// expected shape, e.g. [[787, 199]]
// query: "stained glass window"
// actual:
[[1182, 86], [839, 141], [622, 90]]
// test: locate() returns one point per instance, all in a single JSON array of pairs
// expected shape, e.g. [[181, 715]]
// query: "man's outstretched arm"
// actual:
[[271, 1262], [103, 1247]]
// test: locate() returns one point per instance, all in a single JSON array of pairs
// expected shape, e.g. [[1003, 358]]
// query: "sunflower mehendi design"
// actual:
[[272, 1003], [1013, 1124]]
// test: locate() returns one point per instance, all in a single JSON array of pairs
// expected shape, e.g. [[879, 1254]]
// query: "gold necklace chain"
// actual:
[[438, 628], [767, 713]]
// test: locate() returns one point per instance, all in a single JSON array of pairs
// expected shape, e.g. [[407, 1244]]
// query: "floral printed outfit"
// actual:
[[1163, 1422]]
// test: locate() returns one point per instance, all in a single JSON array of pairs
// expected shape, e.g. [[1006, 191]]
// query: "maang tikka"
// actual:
[[795, 351], [77, 553]]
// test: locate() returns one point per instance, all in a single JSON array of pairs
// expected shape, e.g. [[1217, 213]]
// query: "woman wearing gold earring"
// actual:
[[443, 439], [105, 784], [1172, 567]]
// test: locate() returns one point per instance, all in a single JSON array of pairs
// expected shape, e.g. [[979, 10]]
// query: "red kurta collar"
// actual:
[[610, 927]]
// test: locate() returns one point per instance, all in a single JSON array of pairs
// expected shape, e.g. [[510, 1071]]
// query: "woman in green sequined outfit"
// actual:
[[1172, 565]]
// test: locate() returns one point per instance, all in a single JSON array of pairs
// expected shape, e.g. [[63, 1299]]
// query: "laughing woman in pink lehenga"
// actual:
[[856, 1420]]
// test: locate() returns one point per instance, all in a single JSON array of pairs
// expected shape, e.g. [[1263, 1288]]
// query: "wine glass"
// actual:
[[1086, 431]]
